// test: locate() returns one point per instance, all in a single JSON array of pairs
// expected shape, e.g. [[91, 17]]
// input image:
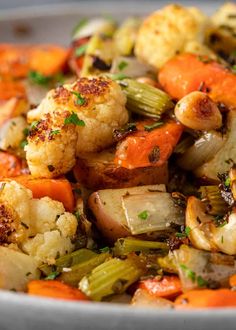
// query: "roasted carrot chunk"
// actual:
[[10, 165], [57, 189], [206, 299], [186, 73], [17, 60], [232, 280], [55, 289], [146, 148], [168, 287], [10, 89]]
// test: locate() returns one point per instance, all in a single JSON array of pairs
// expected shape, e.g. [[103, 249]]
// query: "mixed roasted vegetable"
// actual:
[[118, 162]]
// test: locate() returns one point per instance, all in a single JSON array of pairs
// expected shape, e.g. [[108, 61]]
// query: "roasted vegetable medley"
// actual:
[[118, 162]]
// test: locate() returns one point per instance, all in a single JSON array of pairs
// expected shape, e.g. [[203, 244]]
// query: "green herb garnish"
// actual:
[[54, 132], [79, 51], [52, 276], [80, 100], [122, 65], [189, 273], [38, 78], [74, 119], [23, 144], [201, 282], [227, 182], [105, 249], [34, 124], [143, 215], [149, 128]]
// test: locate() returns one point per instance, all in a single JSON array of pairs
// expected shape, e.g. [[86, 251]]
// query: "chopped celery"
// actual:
[[211, 196], [145, 99], [78, 271], [69, 260], [112, 277], [124, 246]]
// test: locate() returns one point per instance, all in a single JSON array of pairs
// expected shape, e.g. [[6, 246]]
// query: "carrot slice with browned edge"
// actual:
[[186, 73], [55, 289], [57, 189], [168, 287], [10, 165], [148, 148], [206, 299]]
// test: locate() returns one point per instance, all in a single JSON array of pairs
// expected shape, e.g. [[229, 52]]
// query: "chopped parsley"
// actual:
[[194, 277], [105, 249], [74, 119], [149, 128], [77, 215], [227, 182], [184, 234], [23, 144], [143, 215], [38, 78], [52, 276], [54, 132], [122, 65], [222, 239], [34, 124], [79, 51], [80, 100]]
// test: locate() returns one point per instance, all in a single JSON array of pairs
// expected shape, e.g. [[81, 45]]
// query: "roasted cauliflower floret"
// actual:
[[18, 198], [167, 32], [39, 227], [67, 224], [48, 246], [11, 229], [74, 119], [12, 133], [45, 212], [51, 146]]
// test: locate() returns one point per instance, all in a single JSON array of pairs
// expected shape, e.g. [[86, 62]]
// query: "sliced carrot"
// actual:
[[232, 280], [14, 61], [168, 287], [10, 165], [47, 59], [186, 73], [55, 289], [144, 149], [206, 299], [10, 89], [17, 60], [57, 189]]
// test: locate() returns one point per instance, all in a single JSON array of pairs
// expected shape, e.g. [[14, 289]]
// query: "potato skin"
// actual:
[[104, 174]]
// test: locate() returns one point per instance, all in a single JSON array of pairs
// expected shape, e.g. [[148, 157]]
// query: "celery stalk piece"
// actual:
[[124, 246], [145, 99], [168, 263], [112, 277], [69, 260], [211, 196], [78, 271]]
